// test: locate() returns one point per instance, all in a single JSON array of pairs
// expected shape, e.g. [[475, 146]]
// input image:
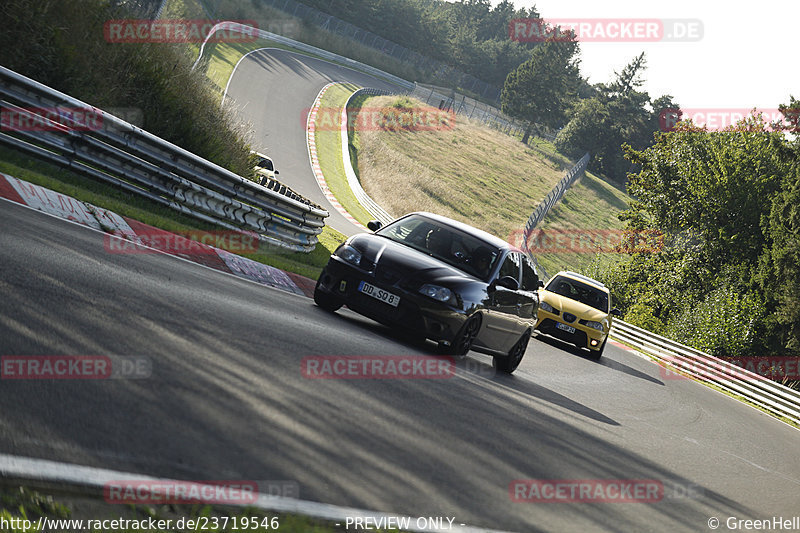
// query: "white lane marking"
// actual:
[[14, 466]]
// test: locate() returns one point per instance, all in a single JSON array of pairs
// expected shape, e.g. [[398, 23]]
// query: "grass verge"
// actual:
[[20, 503], [144, 210], [590, 208], [329, 150], [465, 171], [488, 179]]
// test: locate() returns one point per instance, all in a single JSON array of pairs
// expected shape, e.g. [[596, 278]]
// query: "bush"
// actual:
[[723, 324], [641, 315], [61, 44]]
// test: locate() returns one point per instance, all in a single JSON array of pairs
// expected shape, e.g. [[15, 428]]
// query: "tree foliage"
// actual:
[[616, 114], [727, 279], [470, 35], [541, 89], [779, 264]]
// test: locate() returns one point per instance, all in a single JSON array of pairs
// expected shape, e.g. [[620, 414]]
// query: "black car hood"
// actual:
[[393, 261]]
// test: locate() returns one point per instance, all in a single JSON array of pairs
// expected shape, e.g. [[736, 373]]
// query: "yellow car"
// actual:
[[576, 309]]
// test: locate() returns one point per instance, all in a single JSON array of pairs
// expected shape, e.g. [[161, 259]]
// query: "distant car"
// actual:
[[265, 168], [576, 309], [439, 279]]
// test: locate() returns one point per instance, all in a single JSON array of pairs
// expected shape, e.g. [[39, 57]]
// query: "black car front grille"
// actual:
[[406, 314], [388, 276], [372, 307]]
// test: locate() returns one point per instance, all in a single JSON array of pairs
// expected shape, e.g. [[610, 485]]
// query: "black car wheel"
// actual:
[[463, 341], [326, 301], [510, 362]]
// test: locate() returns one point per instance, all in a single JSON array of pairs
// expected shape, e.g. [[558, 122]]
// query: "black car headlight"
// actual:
[[349, 254], [438, 293]]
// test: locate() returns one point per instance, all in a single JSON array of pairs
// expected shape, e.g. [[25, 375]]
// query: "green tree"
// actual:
[[615, 115], [711, 184], [779, 265], [589, 117], [541, 89], [727, 279]]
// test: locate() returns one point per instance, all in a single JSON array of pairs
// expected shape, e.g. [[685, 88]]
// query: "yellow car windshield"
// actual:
[[580, 292]]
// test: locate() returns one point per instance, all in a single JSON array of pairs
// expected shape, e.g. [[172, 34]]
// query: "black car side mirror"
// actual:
[[616, 312], [541, 284], [507, 282], [277, 172], [374, 225]]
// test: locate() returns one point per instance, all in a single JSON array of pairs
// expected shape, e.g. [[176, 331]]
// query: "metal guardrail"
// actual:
[[303, 47], [732, 378], [450, 100], [352, 180], [555, 195], [547, 204], [141, 163]]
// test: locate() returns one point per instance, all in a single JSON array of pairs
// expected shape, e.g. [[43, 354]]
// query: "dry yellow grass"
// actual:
[[470, 172], [485, 178]]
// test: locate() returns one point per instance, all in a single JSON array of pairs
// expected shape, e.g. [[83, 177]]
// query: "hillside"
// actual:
[[475, 174]]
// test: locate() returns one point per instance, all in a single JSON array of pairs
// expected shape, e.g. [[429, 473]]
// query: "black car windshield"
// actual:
[[446, 243], [580, 292]]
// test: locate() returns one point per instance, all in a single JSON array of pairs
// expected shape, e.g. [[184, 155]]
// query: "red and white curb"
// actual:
[[627, 349], [622, 346], [310, 144], [312, 157], [67, 207]]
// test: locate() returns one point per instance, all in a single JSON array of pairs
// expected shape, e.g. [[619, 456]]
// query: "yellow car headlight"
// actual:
[[592, 324]]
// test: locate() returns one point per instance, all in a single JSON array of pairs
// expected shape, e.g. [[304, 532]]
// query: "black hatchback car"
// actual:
[[439, 279]]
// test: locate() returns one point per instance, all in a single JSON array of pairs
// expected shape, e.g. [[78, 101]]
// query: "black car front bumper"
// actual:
[[415, 313]]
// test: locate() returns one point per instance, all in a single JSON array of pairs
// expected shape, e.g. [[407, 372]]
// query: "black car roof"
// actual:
[[466, 228]]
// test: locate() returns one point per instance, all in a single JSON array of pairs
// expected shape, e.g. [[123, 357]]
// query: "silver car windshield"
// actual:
[[446, 243]]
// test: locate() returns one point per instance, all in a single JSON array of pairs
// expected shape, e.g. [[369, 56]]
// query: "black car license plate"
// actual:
[[379, 294]]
